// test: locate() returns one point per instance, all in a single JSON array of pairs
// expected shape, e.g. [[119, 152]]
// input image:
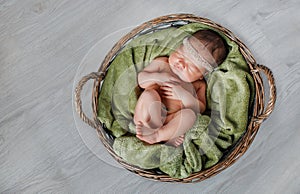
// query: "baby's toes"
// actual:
[[179, 140], [138, 128], [176, 144], [138, 132]]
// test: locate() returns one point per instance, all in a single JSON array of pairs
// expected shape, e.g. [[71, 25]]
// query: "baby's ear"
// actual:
[[180, 66]]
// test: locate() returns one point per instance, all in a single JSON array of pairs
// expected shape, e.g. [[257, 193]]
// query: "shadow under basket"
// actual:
[[260, 111]]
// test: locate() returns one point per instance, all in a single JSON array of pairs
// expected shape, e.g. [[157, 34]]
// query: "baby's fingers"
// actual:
[[168, 96], [165, 88], [169, 84], [167, 92]]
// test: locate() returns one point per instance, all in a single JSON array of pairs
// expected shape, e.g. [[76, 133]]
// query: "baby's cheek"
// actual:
[[184, 77], [190, 78]]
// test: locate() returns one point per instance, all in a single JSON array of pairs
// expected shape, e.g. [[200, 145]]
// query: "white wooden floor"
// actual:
[[44, 148]]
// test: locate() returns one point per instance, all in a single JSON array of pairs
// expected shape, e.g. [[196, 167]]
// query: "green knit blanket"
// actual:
[[230, 92]]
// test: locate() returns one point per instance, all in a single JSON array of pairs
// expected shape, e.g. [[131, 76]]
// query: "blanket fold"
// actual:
[[230, 93]]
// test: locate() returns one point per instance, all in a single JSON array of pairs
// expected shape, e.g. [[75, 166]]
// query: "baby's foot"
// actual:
[[146, 134], [177, 141]]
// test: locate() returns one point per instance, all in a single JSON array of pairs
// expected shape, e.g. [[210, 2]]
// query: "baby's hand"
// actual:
[[173, 90]]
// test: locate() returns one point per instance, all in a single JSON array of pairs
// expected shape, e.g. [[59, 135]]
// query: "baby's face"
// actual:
[[182, 64]]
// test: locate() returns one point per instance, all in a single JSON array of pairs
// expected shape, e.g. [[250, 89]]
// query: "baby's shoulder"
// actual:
[[162, 59], [162, 62]]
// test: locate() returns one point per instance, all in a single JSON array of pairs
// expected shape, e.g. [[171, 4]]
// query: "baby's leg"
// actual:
[[174, 130], [181, 122], [149, 110]]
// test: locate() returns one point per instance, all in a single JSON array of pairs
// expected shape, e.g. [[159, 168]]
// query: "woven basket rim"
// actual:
[[258, 114]]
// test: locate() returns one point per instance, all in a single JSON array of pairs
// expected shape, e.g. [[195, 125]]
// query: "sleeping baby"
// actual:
[[175, 88]]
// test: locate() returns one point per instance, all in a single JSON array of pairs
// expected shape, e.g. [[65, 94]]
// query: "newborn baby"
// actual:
[[175, 89]]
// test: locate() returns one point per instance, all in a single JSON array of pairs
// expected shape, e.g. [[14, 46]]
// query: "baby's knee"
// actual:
[[151, 95], [189, 115]]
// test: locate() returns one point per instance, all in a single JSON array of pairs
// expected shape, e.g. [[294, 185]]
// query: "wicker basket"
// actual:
[[259, 114]]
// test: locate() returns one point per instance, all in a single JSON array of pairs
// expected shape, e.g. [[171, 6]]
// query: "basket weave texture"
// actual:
[[261, 111]]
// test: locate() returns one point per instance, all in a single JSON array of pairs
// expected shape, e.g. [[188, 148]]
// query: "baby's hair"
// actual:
[[214, 43]]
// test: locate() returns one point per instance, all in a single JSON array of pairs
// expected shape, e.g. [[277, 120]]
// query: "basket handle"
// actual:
[[78, 104], [272, 98]]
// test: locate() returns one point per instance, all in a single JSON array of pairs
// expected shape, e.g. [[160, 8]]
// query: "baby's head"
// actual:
[[198, 55]]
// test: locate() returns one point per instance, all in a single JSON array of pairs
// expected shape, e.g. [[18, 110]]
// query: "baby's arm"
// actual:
[[201, 95], [155, 73], [198, 102]]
